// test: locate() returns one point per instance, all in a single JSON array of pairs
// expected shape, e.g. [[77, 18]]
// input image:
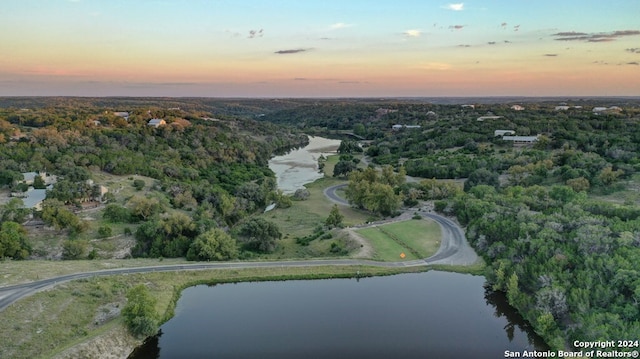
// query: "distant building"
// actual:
[[399, 127], [482, 118], [517, 108], [124, 115], [384, 111], [562, 108], [497, 133], [607, 109], [28, 177], [469, 106], [33, 198], [521, 140], [156, 122]]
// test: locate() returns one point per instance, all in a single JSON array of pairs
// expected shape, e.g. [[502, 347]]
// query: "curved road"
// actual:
[[454, 250]]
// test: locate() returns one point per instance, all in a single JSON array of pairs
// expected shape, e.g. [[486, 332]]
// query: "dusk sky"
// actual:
[[327, 48]]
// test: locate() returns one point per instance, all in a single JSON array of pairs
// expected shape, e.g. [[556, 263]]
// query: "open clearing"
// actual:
[[415, 238]]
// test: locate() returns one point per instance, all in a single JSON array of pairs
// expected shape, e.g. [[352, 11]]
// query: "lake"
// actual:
[[300, 166], [422, 315]]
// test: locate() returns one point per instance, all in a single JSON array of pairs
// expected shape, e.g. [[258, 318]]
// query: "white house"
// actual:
[[399, 127], [482, 118], [156, 122], [497, 133], [521, 140], [562, 108], [517, 108]]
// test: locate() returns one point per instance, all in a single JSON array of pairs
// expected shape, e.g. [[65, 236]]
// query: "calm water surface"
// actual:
[[424, 315], [299, 167]]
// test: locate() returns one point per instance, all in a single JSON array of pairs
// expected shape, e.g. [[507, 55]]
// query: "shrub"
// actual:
[[139, 313], [138, 184], [440, 206], [104, 231]]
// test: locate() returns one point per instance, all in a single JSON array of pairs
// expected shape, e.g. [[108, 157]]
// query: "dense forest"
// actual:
[[557, 221], [210, 170]]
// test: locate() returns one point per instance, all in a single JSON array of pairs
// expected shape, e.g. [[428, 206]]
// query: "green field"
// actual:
[[330, 164], [415, 238], [302, 217]]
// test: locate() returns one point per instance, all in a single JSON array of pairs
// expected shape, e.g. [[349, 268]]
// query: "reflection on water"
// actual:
[[515, 322], [422, 315], [300, 166]]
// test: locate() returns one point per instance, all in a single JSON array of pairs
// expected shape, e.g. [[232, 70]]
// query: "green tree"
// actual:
[[38, 182], [117, 214], [335, 217], [374, 193], [607, 176], [214, 244], [383, 200], [343, 168], [349, 147], [280, 199], [139, 313], [8, 177], [57, 215], [143, 208], [481, 176], [13, 211], [74, 249], [578, 184], [260, 235], [13, 241], [104, 231], [138, 184]]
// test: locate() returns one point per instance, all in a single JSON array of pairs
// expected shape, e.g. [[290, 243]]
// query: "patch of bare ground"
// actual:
[[115, 343], [365, 250], [116, 247]]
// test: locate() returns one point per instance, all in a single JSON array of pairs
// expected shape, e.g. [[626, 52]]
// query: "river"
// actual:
[[422, 315], [300, 166]]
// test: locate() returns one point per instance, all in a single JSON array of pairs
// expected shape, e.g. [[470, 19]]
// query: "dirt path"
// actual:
[[366, 250]]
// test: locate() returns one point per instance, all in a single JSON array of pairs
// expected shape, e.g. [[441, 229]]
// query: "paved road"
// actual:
[[330, 192], [454, 247], [454, 250], [10, 294]]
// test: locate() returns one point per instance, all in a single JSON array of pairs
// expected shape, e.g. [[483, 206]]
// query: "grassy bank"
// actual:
[[49, 322], [303, 217], [415, 238], [15, 272]]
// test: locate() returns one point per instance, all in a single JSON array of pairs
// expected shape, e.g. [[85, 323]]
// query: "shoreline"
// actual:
[[115, 341]]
